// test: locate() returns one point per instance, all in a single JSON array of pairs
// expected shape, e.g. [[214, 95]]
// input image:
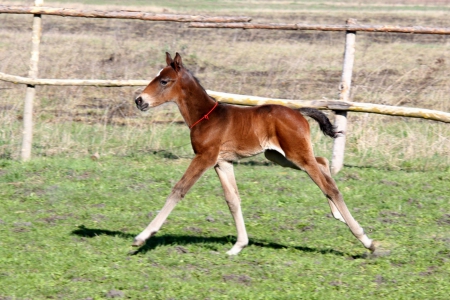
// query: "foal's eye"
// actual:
[[163, 82]]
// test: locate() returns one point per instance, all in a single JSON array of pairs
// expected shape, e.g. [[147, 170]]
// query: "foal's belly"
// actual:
[[236, 154], [233, 151]]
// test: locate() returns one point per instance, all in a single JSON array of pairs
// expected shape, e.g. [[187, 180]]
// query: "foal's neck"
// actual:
[[195, 102]]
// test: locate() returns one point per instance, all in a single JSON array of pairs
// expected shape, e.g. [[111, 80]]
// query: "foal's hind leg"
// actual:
[[226, 175], [329, 188], [317, 168], [325, 168], [278, 158]]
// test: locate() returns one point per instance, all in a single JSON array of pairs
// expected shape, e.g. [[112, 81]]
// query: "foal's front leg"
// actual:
[[226, 175], [198, 166]]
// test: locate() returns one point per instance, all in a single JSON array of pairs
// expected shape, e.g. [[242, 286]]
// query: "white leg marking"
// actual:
[[226, 175], [336, 214], [366, 241], [158, 221]]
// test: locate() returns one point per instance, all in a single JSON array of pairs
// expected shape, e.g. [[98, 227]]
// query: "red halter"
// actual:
[[205, 116]]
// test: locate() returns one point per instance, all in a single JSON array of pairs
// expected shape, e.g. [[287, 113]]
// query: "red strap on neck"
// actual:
[[205, 116]]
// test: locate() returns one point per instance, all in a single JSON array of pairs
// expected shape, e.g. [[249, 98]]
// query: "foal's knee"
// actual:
[[177, 194]]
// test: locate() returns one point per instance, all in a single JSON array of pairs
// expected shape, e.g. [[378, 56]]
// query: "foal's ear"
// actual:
[[177, 62], [169, 59]]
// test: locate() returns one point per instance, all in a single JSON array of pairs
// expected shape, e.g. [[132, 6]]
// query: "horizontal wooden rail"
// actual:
[[72, 82], [410, 112], [122, 14], [254, 100], [350, 27]]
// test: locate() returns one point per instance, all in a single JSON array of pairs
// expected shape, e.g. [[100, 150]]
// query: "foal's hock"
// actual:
[[221, 134]]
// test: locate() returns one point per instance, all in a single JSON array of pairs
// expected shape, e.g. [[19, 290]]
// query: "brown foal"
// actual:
[[221, 134]]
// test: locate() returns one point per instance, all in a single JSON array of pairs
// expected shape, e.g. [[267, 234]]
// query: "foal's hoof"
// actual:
[[376, 250], [374, 246], [138, 243], [380, 253]]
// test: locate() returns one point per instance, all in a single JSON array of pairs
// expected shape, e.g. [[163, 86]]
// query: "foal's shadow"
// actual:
[[171, 239]]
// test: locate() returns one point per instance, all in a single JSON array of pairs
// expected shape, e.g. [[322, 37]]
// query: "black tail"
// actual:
[[324, 123]]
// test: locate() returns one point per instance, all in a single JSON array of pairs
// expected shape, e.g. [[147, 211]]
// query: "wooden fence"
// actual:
[[340, 106]]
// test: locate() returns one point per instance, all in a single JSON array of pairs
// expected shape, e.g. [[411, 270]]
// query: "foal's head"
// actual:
[[166, 86]]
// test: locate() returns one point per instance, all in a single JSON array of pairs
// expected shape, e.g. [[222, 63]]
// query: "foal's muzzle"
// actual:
[[141, 104]]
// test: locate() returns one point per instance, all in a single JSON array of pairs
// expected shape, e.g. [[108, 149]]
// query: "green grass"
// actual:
[[66, 226]]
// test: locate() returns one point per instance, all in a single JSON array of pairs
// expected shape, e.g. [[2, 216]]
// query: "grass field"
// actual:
[[67, 221], [67, 225]]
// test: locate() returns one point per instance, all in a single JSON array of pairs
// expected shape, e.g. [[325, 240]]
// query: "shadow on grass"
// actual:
[[172, 239]]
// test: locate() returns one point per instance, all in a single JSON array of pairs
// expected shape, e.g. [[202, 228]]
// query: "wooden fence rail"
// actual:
[[122, 14], [340, 106], [336, 105], [71, 82], [348, 27]]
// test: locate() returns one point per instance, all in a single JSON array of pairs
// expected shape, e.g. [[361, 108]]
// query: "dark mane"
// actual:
[[198, 82], [193, 76]]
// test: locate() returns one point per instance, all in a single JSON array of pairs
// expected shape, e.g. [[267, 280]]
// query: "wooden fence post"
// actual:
[[337, 161], [27, 135]]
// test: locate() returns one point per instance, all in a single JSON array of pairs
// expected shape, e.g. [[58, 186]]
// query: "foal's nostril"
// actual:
[[138, 101]]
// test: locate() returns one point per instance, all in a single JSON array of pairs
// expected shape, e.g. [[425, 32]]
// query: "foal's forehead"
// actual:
[[166, 72]]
